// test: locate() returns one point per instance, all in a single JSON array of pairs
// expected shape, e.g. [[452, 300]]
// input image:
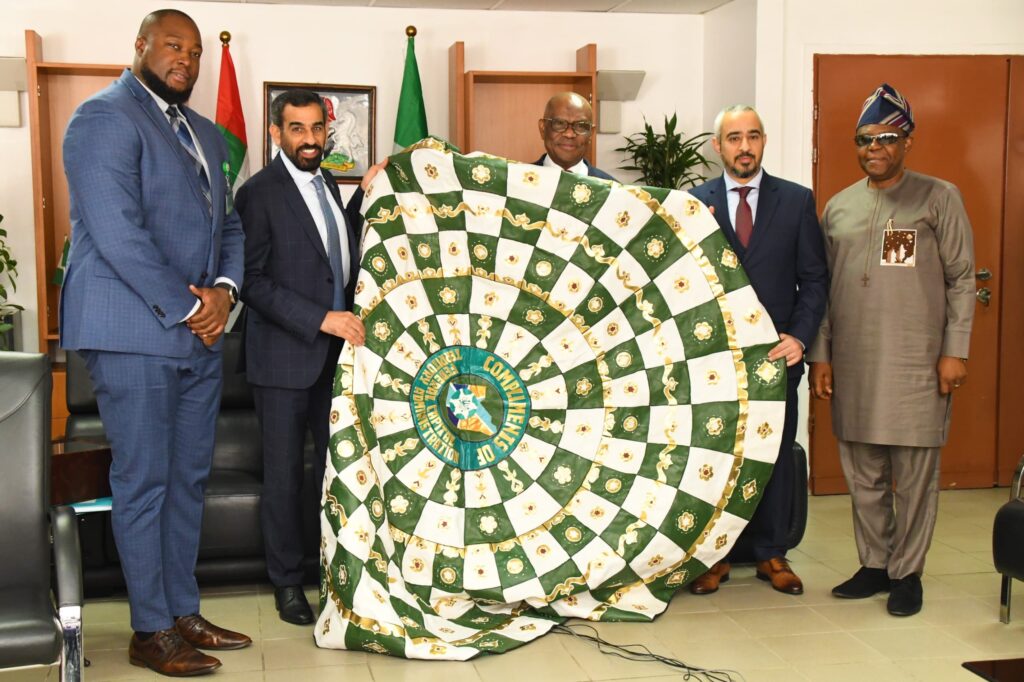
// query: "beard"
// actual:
[[162, 90], [737, 172], [309, 165]]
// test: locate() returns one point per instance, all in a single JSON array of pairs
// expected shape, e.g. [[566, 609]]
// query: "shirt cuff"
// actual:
[[956, 344], [195, 309]]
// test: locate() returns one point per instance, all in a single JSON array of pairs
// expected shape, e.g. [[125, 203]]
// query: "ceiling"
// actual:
[[619, 6]]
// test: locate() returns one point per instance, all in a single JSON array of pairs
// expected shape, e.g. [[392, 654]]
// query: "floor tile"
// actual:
[[746, 627], [351, 673], [853, 672], [921, 642], [740, 654], [281, 654], [792, 620], [938, 670], [827, 647], [385, 669], [558, 663], [993, 639]]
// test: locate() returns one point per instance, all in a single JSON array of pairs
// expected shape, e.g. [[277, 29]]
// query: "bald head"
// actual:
[[168, 48], [564, 116], [569, 101], [154, 18]]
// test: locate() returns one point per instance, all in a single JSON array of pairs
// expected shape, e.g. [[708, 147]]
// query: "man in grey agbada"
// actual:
[[893, 347]]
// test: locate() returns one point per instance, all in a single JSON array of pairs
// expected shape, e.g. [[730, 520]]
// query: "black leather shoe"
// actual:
[[906, 596], [292, 605], [866, 582]]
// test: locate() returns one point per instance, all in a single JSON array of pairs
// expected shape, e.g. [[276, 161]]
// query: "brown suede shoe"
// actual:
[[168, 654], [202, 634], [777, 571], [708, 583]]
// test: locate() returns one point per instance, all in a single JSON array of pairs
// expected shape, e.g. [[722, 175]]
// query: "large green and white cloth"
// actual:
[[564, 408]]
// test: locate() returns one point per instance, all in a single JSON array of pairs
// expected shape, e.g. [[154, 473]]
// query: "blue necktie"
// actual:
[[185, 138], [333, 244]]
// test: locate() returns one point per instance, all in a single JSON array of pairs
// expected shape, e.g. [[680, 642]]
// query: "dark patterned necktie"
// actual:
[[185, 138], [744, 216], [333, 244]]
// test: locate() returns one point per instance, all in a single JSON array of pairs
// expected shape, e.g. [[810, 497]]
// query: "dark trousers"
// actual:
[[159, 415], [285, 414], [769, 527]]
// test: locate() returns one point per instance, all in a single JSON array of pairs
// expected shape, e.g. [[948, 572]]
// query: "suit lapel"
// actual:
[[720, 202], [159, 120], [298, 206], [767, 202]]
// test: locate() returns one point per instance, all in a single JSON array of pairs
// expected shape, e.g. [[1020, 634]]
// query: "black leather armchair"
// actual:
[[32, 632], [231, 541], [1008, 543]]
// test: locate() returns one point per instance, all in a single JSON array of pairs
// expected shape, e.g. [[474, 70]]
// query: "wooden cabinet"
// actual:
[[55, 90], [497, 111]]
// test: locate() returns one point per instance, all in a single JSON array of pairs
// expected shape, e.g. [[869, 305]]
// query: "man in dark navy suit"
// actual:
[[567, 128], [301, 260], [772, 226]]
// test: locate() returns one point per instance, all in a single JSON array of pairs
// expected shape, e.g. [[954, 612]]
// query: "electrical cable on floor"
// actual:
[[639, 652]]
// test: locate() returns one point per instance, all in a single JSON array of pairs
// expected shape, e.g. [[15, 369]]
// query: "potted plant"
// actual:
[[666, 159], [8, 311]]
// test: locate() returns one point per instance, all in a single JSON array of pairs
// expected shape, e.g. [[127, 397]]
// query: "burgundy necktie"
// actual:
[[744, 216]]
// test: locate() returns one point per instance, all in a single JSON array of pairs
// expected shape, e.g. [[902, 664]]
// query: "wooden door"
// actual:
[[960, 107]]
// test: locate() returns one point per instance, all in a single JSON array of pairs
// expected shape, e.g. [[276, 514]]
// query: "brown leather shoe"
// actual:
[[777, 571], [708, 583], [168, 654], [202, 634]]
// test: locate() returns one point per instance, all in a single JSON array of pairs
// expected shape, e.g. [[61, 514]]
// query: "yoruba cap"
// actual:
[[887, 107]]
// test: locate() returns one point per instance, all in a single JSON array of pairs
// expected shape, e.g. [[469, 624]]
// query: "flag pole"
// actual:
[[411, 119], [230, 119]]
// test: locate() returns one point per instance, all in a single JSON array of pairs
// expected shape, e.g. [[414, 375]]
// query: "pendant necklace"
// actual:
[[865, 278]]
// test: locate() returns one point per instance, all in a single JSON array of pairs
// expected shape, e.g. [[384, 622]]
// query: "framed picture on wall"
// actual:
[[351, 127]]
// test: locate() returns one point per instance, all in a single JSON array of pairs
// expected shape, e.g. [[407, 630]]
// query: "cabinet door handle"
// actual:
[[984, 274], [984, 296]]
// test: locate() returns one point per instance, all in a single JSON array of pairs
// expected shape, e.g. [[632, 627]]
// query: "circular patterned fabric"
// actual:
[[564, 407]]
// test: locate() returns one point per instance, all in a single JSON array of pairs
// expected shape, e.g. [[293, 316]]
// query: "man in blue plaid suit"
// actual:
[[156, 256]]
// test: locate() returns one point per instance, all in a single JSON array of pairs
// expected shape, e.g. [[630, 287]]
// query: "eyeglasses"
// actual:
[[884, 139], [560, 125]]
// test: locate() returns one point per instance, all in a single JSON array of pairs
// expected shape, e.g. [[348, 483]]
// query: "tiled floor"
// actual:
[[746, 627]]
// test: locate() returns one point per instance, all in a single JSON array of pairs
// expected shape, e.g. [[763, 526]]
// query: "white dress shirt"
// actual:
[[734, 197], [304, 181], [579, 169]]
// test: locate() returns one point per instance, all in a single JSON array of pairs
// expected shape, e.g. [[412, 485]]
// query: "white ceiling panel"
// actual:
[[558, 6], [617, 6]]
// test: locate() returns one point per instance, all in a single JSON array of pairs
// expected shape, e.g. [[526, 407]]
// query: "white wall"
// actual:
[[791, 32], [730, 57], [346, 45]]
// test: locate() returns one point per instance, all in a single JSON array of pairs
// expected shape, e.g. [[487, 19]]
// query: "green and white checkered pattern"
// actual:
[[654, 414]]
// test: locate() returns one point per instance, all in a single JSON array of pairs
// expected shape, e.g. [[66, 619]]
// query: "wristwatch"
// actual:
[[232, 292]]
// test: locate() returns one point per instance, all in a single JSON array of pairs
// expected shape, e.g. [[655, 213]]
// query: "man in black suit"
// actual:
[[301, 262], [772, 225], [566, 129]]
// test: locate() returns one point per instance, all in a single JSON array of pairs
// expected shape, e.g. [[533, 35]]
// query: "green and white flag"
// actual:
[[411, 121], [564, 408], [62, 264]]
